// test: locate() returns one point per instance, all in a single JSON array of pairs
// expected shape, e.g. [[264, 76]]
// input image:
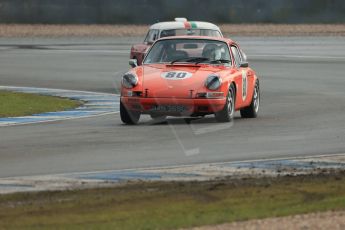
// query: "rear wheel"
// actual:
[[228, 112], [129, 117], [252, 110]]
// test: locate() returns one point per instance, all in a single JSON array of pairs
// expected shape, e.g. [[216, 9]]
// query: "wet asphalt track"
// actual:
[[302, 111]]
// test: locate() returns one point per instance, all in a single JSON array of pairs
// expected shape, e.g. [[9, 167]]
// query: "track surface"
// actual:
[[302, 111]]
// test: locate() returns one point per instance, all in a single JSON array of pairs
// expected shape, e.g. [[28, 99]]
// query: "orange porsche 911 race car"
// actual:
[[190, 76]]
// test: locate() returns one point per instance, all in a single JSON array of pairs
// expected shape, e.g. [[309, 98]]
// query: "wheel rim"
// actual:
[[231, 103], [256, 98]]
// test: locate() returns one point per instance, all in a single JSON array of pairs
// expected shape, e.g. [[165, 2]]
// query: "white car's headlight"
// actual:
[[213, 82], [129, 80]]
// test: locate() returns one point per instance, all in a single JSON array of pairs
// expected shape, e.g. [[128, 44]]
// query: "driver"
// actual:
[[212, 52]]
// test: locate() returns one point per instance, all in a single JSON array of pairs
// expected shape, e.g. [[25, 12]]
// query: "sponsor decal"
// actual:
[[176, 75], [169, 108], [187, 25]]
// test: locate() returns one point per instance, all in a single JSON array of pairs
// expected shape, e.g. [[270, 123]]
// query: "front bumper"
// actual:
[[185, 107]]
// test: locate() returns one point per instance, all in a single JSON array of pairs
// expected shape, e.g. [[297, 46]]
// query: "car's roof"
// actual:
[[228, 40], [184, 25]]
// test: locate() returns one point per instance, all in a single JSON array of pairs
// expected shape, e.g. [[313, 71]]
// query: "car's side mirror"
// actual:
[[244, 64], [133, 63]]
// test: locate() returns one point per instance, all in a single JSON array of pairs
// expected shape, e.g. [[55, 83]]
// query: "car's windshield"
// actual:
[[189, 50], [194, 32]]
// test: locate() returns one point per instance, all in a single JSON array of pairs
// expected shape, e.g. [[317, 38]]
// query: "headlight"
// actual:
[[129, 80], [213, 82]]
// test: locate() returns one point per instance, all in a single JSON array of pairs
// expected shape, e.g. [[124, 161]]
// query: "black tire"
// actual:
[[129, 117], [252, 110], [228, 112]]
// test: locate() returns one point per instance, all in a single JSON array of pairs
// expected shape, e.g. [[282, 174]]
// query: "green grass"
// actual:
[[23, 104], [172, 205]]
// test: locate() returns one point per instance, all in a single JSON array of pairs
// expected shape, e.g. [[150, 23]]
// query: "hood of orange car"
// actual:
[[179, 81]]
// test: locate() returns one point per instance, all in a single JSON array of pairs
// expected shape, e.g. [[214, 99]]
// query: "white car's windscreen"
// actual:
[[191, 32]]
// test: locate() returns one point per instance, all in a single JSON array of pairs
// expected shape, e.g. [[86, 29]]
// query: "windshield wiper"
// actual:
[[220, 60], [193, 59]]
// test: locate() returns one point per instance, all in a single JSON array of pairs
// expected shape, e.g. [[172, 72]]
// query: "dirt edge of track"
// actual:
[[24, 30]]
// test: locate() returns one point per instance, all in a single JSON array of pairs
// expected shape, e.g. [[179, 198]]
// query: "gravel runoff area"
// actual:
[[19, 30], [334, 220]]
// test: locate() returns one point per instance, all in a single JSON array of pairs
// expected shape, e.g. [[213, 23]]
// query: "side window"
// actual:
[[237, 55], [243, 56], [168, 33], [151, 36], [216, 33], [219, 34]]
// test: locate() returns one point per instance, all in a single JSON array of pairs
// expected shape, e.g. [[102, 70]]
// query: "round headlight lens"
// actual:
[[129, 80], [213, 82]]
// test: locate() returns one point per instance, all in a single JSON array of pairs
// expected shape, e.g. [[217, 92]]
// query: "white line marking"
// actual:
[[50, 121]]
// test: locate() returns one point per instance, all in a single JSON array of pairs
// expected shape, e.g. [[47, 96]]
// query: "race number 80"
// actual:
[[176, 75]]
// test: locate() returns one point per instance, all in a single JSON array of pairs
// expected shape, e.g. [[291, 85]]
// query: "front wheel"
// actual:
[[252, 110], [228, 112], [129, 117]]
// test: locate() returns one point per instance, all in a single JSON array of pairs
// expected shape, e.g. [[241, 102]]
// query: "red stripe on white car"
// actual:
[[187, 25]]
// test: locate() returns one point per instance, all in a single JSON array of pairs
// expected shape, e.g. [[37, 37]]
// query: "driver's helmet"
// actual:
[[212, 52]]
